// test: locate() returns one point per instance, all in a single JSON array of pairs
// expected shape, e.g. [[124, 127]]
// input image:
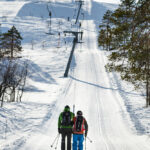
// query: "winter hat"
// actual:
[[79, 113]]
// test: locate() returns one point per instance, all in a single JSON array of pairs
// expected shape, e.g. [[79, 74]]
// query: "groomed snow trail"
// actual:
[[89, 88]]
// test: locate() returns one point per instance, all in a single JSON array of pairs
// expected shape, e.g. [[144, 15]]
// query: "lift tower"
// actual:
[[75, 41], [80, 5]]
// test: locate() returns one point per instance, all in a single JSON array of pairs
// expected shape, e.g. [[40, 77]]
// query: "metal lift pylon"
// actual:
[[75, 41]]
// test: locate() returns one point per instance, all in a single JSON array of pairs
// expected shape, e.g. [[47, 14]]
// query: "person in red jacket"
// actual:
[[80, 127]]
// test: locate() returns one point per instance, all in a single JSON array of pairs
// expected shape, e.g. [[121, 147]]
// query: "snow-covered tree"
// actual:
[[130, 36]]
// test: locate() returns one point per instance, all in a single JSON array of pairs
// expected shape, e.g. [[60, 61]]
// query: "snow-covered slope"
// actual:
[[115, 113]]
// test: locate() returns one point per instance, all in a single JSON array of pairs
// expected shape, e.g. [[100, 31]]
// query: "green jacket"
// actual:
[[60, 119]]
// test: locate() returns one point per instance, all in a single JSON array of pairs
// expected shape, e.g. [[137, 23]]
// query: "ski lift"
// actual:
[[50, 22], [58, 40], [65, 43]]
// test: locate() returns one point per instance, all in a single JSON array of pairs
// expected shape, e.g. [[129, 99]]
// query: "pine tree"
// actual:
[[140, 44], [131, 38], [121, 35], [11, 42], [117, 25], [105, 32], [101, 38]]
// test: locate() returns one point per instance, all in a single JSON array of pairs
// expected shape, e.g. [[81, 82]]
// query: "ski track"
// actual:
[[90, 89]]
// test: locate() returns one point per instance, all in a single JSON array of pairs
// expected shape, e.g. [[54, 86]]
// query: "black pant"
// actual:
[[66, 133]]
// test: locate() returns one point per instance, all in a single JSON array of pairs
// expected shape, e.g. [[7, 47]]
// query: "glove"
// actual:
[[85, 134], [59, 130]]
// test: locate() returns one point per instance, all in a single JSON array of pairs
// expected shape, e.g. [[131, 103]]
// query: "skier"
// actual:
[[65, 123], [80, 126]]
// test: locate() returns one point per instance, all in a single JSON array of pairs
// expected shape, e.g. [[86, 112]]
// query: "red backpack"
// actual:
[[78, 125]]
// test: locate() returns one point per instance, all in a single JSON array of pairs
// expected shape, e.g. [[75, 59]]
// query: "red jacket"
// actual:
[[84, 126]]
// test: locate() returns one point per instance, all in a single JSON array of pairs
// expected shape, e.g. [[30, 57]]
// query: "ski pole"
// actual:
[[74, 108], [85, 143], [55, 140], [89, 139]]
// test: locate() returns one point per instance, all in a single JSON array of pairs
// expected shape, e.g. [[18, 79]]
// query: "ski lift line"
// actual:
[[68, 43], [75, 9], [54, 12], [80, 5], [74, 14], [52, 9]]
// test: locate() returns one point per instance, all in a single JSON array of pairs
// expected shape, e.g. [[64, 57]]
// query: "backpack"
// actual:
[[66, 119], [79, 124]]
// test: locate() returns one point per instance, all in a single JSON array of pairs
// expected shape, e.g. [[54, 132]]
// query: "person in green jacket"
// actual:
[[65, 123]]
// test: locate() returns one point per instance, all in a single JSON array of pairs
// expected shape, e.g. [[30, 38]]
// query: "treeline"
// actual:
[[126, 33], [13, 71]]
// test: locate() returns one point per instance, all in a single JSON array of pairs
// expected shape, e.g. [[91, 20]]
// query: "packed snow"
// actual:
[[115, 112]]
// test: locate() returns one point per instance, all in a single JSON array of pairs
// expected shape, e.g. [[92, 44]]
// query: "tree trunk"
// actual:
[[12, 47], [147, 94], [12, 95], [107, 39], [2, 99], [147, 88], [2, 91]]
